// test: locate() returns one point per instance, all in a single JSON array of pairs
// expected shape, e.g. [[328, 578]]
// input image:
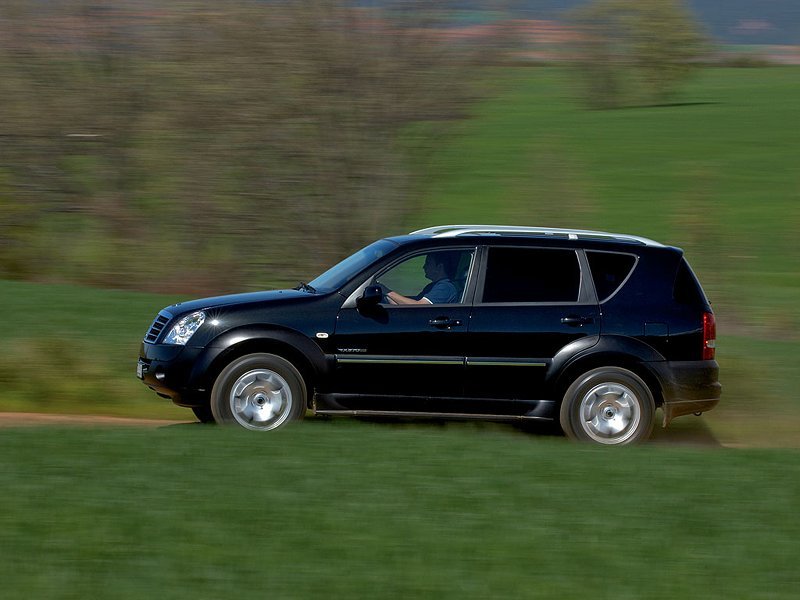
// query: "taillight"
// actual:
[[709, 336]]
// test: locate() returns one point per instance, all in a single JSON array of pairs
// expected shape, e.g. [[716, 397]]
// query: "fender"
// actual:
[[595, 351], [258, 338]]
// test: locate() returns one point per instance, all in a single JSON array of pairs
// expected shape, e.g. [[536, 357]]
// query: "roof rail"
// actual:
[[442, 231]]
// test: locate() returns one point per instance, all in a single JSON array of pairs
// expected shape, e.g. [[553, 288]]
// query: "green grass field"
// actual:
[[342, 509]]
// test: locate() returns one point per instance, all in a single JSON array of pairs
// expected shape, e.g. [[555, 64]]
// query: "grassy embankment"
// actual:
[[72, 349]]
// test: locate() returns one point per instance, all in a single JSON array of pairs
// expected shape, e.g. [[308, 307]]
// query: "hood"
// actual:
[[237, 300]]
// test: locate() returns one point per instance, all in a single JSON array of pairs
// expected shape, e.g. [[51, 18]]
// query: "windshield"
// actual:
[[338, 275]]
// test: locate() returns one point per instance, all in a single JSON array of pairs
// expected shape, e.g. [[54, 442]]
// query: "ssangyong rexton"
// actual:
[[590, 329]]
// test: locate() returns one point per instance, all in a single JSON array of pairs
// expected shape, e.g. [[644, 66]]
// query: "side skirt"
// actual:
[[431, 415], [479, 409]]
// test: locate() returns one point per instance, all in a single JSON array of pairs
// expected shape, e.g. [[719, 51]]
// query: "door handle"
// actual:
[[444, 322], [576, 321]]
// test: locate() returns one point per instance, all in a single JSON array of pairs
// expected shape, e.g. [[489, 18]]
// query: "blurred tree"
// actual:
[[634, 50], [205, 147]]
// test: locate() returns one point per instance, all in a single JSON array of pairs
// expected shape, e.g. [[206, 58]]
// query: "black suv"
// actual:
[[595, 330]]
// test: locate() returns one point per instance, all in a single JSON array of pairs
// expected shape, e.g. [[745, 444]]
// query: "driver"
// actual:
[[440, 268]]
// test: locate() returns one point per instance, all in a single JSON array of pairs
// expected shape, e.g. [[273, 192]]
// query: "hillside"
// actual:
[[731, 21]]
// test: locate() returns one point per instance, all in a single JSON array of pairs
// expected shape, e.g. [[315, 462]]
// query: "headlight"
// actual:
[[185, 328]]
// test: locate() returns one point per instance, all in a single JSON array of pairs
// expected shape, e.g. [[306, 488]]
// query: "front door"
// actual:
[[408, 350]]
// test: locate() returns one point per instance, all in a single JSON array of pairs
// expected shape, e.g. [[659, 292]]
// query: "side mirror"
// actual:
[[372, 296]]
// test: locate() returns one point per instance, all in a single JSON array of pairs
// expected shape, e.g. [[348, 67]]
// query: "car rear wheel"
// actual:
[[609, 405], [259, 392]]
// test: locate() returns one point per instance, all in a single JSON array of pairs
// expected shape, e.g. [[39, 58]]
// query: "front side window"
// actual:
[[531, 275], [437, 277]]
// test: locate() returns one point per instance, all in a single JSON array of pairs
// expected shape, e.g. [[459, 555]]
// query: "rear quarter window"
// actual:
[[609, 271]]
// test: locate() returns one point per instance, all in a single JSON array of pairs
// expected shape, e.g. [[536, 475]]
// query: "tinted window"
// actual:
[[609, 271], [531, 275]]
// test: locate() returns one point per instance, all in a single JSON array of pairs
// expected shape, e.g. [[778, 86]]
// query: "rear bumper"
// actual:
[[688, 387]]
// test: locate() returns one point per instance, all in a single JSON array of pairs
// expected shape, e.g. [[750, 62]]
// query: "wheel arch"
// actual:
[[610, 351], [292, 346]]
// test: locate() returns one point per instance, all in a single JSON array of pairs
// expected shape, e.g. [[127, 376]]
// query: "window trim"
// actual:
[[586, 292]]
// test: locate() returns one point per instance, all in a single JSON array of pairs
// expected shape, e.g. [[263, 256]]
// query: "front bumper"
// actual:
[[688, 387], [170, 372]]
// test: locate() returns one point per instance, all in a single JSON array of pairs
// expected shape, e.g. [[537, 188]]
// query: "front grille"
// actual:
[[157, 327]]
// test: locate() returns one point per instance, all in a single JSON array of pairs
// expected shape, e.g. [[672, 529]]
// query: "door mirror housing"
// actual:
[[370, 298]]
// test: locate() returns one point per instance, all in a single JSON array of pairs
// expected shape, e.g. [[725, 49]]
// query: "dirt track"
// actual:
[[12, 419]]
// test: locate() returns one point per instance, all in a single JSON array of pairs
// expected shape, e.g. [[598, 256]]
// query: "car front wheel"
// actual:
[[609, 405], [259, 392]]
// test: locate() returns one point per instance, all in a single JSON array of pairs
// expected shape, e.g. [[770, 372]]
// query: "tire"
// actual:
[[260, 392], [610, 406], [203, 413]]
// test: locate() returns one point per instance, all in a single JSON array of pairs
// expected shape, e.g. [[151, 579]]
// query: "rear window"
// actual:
[[687, 289], [609, 271], [531, 275]]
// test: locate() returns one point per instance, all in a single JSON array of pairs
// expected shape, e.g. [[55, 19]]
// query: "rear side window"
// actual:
[[531, 275], [687, 289], [609, 271]]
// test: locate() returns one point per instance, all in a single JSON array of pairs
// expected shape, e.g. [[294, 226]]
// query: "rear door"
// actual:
[[530, 303]]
